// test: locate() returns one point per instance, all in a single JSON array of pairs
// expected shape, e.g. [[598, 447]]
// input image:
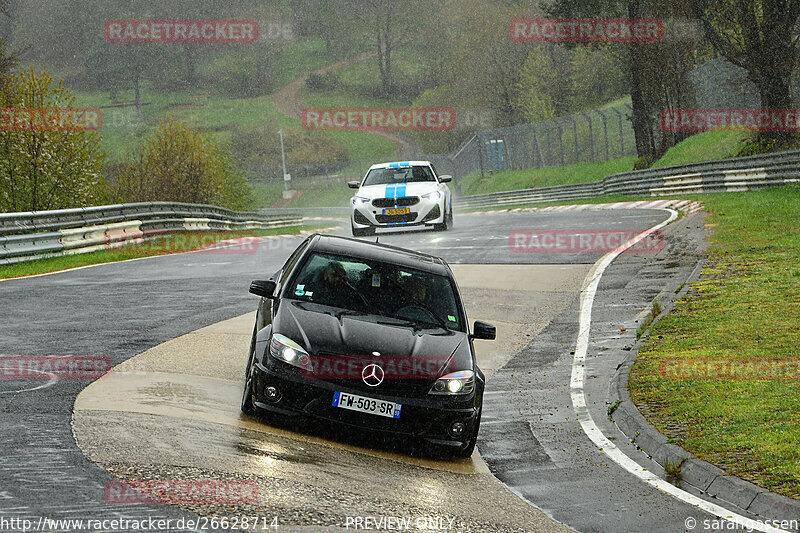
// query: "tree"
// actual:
[[761, 37], [387, 19], [46, 165], [179, 163], [535, 81], [117, 66], [651, 91]]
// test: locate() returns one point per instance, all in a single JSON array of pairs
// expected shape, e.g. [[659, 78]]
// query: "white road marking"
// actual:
[[50, 382], [585, 418]]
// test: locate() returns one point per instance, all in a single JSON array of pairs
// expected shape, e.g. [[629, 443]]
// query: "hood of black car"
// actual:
[[324, 330]]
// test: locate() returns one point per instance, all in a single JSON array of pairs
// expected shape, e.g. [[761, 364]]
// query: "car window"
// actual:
[[286, 270], [386, 176], [377, 288]]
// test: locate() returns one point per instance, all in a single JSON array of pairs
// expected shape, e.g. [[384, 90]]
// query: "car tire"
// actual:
[[447, 222], [248, 406], [362, 232]]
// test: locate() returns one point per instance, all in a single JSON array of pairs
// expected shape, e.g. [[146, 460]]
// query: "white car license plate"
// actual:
[[397, 211], [363, 404]]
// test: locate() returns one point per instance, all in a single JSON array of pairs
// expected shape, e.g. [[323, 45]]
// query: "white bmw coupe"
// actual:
[[407, 193]]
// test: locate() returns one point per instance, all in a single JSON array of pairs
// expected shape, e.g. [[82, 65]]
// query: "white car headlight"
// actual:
[[285, 349], [360, 200], [435, 195], [456, 383]]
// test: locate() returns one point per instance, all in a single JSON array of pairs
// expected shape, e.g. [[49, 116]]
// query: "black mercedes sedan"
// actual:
[[367, 335]]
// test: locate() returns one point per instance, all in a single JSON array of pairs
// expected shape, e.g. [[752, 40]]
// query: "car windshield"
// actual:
[[377, 288], [383, 176]]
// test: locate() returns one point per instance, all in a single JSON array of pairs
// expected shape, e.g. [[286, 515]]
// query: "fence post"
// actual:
[[560, 142], [630, 108], [605, 131], [575, 135], [591, 135], [549, 148], [538, 149], [621, 138]]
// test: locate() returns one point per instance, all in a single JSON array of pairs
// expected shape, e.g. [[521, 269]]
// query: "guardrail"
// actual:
[[722, 175], [33, 235]]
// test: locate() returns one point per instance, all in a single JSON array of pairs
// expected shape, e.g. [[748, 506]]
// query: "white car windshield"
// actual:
[[383, 176]]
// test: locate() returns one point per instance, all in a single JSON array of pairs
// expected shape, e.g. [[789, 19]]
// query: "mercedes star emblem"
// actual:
[[372, 375]]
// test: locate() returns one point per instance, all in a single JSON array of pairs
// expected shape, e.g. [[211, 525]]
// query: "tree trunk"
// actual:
[[387, 39], [381, 66], [775, 89], [641, 122], [188, 55], [138, 97]]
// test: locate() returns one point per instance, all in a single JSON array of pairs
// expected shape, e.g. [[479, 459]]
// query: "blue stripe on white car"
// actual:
[[395, 191]]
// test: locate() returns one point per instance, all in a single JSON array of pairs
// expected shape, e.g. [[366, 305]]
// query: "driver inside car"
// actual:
[[332, 288]]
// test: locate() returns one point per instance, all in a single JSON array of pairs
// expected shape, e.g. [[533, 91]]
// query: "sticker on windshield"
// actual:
[[300, 290], [309, 294], [451, 318], [376, 280]]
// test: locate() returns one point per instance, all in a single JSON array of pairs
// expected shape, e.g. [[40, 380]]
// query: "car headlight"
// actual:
[[462, 382], [285, 349], [435, 195], [360, 200]]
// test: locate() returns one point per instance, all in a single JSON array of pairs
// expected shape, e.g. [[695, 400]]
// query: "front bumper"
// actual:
[[426, 418], [425, 212]]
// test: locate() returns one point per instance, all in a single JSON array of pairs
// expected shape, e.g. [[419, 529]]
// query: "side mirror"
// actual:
[[446, 178], [265, 289], [483, 331], [354, 184]]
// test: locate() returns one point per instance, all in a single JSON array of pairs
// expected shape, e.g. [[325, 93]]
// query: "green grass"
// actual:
[[325, 195], [744, 307], [704, 147], [122, 132], [175, 242], [301, 57], [266, 194], [510, 180]]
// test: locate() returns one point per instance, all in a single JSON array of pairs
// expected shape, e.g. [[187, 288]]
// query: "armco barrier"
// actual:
[[724, 175], [33, 235]]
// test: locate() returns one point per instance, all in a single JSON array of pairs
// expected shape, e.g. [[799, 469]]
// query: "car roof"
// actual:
[[401, 164], [379, 252]]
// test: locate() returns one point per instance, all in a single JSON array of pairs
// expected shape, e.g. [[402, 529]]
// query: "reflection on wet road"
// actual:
[[173, 411]]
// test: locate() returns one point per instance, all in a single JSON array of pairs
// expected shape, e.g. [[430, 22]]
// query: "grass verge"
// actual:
[[162, 245], [510, 180], [742, 313]]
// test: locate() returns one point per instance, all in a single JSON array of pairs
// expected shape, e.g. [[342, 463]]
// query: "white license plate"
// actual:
[[397, 211], [363, 404]]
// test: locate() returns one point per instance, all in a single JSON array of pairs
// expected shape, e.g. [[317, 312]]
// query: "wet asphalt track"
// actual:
[[529, 438]]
